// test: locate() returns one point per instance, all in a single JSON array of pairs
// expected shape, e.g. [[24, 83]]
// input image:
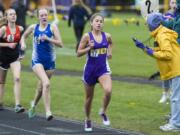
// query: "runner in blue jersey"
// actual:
[[98, 47], [46, 36]]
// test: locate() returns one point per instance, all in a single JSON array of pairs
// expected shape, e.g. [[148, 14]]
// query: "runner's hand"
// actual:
[[23, 46], [12, 45], [91, 44]]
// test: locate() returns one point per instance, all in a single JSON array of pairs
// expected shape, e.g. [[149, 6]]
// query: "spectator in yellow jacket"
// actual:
[[167, 54]]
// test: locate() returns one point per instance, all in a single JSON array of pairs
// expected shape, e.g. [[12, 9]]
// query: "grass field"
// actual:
[[133, 107]]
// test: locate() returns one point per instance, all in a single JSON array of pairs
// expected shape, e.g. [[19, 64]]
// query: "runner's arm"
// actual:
[[28, 31], [109, 51], [57, 37], [84, 47]]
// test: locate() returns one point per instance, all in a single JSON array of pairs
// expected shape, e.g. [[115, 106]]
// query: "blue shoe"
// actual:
[[31, 112]]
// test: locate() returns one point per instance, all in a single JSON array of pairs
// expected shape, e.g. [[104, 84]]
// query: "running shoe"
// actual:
[[19, 109], [49, 116], [87, 126], [104, 117]]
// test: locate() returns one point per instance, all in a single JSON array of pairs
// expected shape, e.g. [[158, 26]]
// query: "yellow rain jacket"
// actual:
[[167, 53]]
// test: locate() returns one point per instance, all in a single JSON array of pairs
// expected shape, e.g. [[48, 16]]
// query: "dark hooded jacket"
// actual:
[[175, 23]]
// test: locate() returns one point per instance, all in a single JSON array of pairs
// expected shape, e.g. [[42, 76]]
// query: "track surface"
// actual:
[[19, 124]]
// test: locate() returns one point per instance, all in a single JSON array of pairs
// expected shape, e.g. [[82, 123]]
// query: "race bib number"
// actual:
[[149, 6], [10, 38], [96, 52], [37, 40]]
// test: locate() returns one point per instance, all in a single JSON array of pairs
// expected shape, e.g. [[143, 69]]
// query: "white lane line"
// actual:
[[29, 131]]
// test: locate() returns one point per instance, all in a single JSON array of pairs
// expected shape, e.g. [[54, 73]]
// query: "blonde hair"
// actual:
[[41, 8], [3, 21]]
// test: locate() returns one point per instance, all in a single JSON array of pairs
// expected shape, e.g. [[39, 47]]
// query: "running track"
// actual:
[[19, 124]]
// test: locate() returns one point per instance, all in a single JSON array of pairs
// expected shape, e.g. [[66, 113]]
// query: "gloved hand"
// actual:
[[149, 51], [138, 43]]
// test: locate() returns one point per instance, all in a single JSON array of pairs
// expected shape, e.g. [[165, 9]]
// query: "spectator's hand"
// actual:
[[138, 43], [149, 51], [12, 45]]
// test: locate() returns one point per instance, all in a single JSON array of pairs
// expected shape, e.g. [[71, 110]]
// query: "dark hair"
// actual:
[[95, 15]]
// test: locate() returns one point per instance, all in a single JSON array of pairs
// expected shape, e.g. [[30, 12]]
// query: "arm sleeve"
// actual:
[[70, 16], [156, 49], [168, 24], [166, 50], [87, 14]]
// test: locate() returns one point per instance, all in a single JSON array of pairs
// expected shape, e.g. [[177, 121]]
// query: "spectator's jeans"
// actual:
[[175, 102]]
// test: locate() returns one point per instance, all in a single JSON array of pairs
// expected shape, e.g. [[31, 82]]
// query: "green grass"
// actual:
[[127, 59], [133, 107]]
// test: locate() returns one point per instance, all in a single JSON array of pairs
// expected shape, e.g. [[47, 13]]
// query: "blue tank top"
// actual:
[[98, 55], [43, 50]]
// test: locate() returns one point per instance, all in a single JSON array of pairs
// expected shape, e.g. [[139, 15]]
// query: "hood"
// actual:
[[162, 29], [154, 20]]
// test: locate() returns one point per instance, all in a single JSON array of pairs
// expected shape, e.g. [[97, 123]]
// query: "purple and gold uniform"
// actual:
[[97, 64]]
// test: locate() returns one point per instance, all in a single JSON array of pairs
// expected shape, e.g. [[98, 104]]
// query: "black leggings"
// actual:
[[78, 30]]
